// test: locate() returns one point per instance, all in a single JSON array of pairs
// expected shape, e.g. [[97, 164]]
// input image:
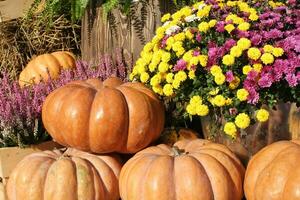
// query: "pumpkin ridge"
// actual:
[[232, 177], [208, 169], [129, 113], [271, 161], [97, 171], [145, 173]]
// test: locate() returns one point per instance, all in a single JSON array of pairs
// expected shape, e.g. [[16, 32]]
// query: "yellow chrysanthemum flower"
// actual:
[[254, 53], [163, 67], [267, 58], [230, 129], [168, 90], [155, 80], [257, 67], [169, 77], [191, 109], [268, 48], [181, 76], [242, 94], [229, 28], [219, 79], [166, 17], [247, 69], [244, 26], [262, 115], [242, 120], [215, 69], [158, 89], [176, 84], [202, 110], [236, 51], [219, 100], [277, 52], [196, 100], [203, 27], [203, 60], [179, 36], [144, 77], [244, 43], [192, 74], [212, 23], [189, 34], [228, 60]]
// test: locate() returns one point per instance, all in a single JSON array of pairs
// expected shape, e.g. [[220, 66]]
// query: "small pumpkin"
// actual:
[[273, 173], [192, 169], [101, 117], [170, 136], [53, 175], [40, 67]]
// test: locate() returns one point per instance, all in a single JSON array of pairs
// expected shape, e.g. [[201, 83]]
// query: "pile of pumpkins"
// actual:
[[98, 119]]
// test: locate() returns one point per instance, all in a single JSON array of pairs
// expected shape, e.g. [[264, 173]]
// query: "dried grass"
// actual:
[[21, 39]]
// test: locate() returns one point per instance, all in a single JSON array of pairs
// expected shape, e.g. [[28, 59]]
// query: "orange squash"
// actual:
[[53, 175], [273, 173], [101, 117], [191, 170], [40, 67]]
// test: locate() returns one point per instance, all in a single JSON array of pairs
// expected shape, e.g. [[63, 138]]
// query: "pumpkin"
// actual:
[[53, 175], [191, 169], [170, 136], [101, 117], [40, 67], [274, 173]]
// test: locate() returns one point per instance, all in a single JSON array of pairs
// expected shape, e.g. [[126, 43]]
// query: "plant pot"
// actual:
[[10, 156], [282, 125]]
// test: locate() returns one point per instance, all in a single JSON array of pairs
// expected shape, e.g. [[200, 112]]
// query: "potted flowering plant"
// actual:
[[230, 61]]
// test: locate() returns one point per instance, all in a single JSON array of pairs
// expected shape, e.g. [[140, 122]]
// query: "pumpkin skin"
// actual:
[[53, 175], [40, 67], [273, 173], [102, 117], [206, 171]]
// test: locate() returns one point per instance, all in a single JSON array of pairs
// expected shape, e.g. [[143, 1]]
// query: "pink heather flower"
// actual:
[[279, 67], [198, 37], [220, 26], [229, 44], [229, 76], [292, 80], [181, 65]]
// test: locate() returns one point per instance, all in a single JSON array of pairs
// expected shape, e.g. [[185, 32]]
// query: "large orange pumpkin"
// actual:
[[53, 175], [273, 173], [42, 66], [191, 170], [101, 117]]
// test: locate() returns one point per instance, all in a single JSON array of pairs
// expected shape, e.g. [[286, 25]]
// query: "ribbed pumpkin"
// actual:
[[273, 173], [40, 67], [101, 117], [191, 170], [53, 175]]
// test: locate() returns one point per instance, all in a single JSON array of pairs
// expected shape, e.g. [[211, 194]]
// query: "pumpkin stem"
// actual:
[[177, 151]]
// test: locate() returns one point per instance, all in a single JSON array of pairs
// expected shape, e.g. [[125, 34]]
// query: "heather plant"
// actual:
[[20, 108]]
